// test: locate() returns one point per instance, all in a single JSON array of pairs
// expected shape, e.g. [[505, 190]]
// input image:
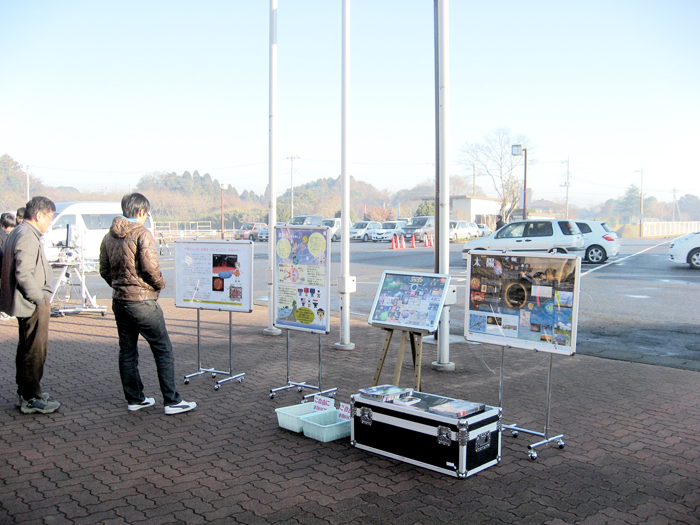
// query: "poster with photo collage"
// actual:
[[214, 275], [523, 300], [302, 279]]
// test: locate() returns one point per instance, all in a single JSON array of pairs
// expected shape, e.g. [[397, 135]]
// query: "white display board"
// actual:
[[214, 275], [302, 278], [523, 300], [410, 301]]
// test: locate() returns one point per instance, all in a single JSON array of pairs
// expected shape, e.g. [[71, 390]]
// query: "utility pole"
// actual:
[[673, 210], [473, 180], [291, 202], [641, 203], [567, 184]]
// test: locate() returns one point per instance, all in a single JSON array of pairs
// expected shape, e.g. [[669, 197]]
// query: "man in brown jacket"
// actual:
[[129, 264]]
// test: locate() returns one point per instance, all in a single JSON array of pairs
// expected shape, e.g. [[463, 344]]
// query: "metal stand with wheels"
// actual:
[[301, 386], [515, 430], [213, 371], [69, 270]]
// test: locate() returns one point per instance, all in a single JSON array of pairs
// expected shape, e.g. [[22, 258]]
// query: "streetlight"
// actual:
[[223, 187], [291, 202], [517, 151]]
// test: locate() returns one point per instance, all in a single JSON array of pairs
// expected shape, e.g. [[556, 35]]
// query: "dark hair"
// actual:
[[36, 205], [7, 220], [21, 212], [133, 203]]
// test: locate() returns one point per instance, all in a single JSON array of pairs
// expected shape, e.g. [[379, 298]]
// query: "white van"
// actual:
[[89, 222]]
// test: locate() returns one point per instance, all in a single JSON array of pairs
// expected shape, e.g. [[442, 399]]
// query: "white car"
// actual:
[[686, 250], [362, 230], [533, 235], [388, 230], [484, 230], [600, 241], [463, 230]]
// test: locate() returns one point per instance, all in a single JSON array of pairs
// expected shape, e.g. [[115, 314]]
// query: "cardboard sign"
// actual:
[[345, 412]]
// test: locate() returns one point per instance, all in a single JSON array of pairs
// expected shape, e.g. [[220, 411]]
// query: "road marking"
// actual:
[[619, 261], [638, 296]]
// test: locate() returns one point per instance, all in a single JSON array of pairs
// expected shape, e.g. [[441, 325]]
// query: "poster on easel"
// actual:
[[214, 275], [523, 300], [302, 279], [409, 301]]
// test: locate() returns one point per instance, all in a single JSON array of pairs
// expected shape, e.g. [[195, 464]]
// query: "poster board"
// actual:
[[302, 278], [409, 301], [523, 300], [214, 275]]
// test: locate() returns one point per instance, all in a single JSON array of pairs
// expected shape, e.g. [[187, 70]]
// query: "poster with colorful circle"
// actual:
[[302, 278]]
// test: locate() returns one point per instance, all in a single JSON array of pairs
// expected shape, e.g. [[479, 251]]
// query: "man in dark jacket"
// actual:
[[7, 224], [129, 264], [24, 293], [499, 223]]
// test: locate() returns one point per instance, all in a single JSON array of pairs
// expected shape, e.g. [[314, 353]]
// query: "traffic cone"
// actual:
[[393, 242], [432, 240], [426, 241], [403, 242], [413, 241]]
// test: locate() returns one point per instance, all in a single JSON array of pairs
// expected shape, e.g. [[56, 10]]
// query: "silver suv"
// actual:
[[533, 235]]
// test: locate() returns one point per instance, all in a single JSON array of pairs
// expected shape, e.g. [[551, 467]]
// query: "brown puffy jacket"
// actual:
[[129, 262]]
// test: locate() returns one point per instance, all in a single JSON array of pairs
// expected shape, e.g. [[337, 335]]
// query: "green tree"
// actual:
[[628, 205], [425, 208]]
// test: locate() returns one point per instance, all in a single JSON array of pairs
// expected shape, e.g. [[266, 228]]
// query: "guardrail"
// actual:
[[669, 229]]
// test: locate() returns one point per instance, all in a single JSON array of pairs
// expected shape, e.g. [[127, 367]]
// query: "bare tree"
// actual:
[[493, 158]]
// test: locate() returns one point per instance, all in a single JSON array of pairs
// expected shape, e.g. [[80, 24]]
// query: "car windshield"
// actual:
[[390, 225], [296, 221], [606, 227], [360, 225], [328, 223], [453, 224], [417, 221], [247, 226]]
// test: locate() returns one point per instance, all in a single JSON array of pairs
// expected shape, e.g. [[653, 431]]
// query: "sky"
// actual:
[[97, 94]]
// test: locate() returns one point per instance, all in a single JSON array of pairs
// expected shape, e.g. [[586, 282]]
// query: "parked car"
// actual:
[[334, 225], [264, 234], [305, 220], [249, 231], [599, 241], [420, 227], [686, 250], [89, 223], [460, 230], [362, 230], [534, 235], [484, 230], [388, 230]]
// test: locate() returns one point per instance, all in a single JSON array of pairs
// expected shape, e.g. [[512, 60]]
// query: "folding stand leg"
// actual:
[[290, 383], [382, 356], [515, 430], [331, 391], [214, 371]]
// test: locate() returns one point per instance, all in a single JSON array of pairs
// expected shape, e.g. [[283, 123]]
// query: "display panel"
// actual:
[[302, 279], [524, 300], [215, 275], [409, 301]]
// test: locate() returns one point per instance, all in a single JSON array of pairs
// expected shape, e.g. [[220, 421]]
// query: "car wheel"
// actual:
[[557, 250], [596, 254], [454, 238], [334, 238], [251, 238], [365, 238], [694, 259]]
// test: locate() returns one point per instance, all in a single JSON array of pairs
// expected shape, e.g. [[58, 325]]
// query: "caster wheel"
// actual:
[[213, 375], [532, 455], [216, 387], [561, 443], [514, 433], [240, 379], [187, 381], [303, 401], [300, 389], [272, 396], [103, 314], [332, 394]]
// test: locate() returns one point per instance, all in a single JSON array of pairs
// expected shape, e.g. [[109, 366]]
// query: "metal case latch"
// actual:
[[366, 415], [444, 436], [482, 442]]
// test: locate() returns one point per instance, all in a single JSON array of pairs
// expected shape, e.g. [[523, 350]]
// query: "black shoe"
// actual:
[[40, 406]]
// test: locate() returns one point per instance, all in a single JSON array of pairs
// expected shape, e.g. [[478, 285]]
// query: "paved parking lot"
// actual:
[[632, 434]]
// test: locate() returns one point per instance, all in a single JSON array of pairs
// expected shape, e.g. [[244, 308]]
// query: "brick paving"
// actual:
[[632, 435]]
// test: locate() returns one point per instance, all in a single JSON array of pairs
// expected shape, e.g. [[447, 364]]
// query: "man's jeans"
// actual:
[[32, 349], [144, 318]]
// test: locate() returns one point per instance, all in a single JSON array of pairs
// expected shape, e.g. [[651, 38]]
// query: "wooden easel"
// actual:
[[416, 339]]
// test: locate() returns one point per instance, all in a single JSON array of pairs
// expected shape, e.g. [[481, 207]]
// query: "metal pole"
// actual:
[[443, 219], [222, 211], [641, 203], [272, 184], [291, 201], [525, 187], [346, 282]]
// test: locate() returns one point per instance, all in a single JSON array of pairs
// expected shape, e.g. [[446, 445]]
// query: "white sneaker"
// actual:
[[182, 406], [148, 402]]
